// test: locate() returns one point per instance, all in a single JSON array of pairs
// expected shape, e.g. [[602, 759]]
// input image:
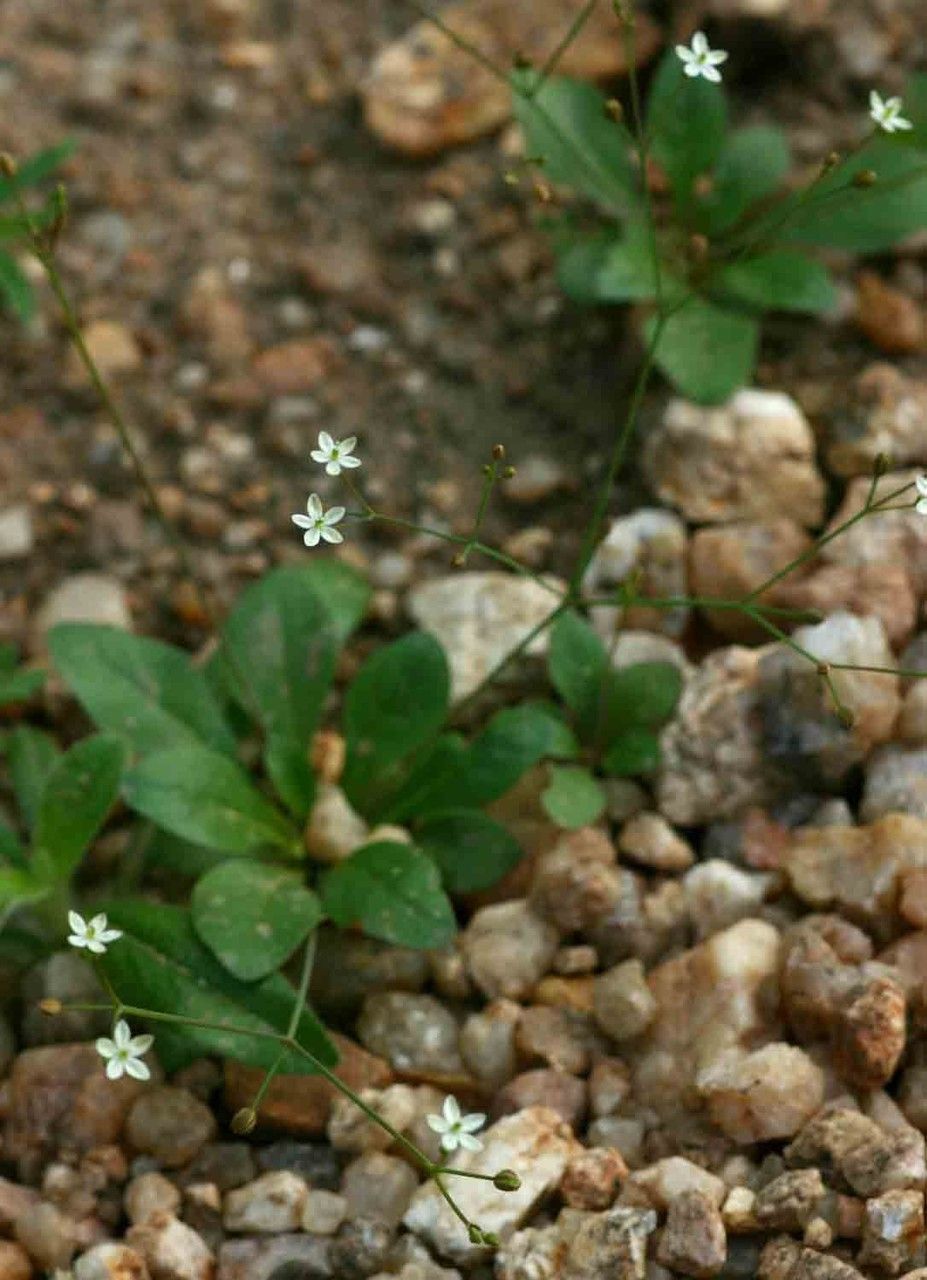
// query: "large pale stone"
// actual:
[[749, 459], [535, 1144]]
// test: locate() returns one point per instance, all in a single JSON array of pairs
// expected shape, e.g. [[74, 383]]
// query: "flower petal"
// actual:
[[712, 74], [331, 535], [470, 1123], [77, 940], [121, 1034], [114, 1069], [347, 444], [140, 1044], [326, 442], [333, 468], [105, 1047], [717, 56], [469, 1143], [451, 1109], [692, 69], [304, 522], [314, 506], [449, 1141], [98, 923], [95, 946], [920, 485], [333, 515], [684, 53], [77, 923], [436, 1123], [318, 456], [311, 537], [348, 461], [137, 1069], [700, 43], [921, 506]]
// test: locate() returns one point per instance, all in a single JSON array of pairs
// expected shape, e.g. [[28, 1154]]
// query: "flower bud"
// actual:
[[614, 110], [506, 1180], [508, 473], [492, 1239], [882, 464], [475, 1234], [846, 717], [831, 160], [243, 1121], [51, 1007], [498, 452], [8, 166], [865, 178]]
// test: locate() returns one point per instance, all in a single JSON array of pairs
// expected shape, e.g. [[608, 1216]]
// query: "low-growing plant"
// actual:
[[15, 290], [720, 237], [228, 762]]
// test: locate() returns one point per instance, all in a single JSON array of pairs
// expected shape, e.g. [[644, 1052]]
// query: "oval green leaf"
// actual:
[[253, 916], [573, 798], [393, 892], [472, 849], [78, 794]]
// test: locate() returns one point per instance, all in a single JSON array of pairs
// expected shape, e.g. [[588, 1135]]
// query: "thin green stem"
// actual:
[[561, 47]]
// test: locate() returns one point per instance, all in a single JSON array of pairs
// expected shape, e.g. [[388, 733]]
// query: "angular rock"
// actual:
[[84, 597], [885, 416], [508, 948], [663, 1182], [15, 1265], [487, 1042], [551, 1090], [651, 544], [271, 1204], [47, 1235], [791, 1201], [169, 1124], [323, 1212], [768, 1093], [263, 1258], [349, 967], [414, 1033], [479, 618], [693, 1241], [895, 782], [535, 1144], [334, 829], [893, 1232], [719, 894], [577, 882], [623, 1003], [109, 1261], [854, 1152], [592, 1179], [870, 1031], [895, 537], [425, 93], [648, 839], [752, 458], [148, 1194], [378, 1186], [349, 1129], [713, 763]]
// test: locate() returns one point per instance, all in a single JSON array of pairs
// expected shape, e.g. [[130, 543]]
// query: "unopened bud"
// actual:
[[51, 1007], [508, 473], [823, 669], [882, 464], [459, 560], [243, 1121], [614, 110], [506, 1180], [475, 1234], [492, 1239], [846, 717], [543, 191], [865, 178], [8, 166], [512, 179], [831, 160], [486, 469], [498, 452], [698, 247]]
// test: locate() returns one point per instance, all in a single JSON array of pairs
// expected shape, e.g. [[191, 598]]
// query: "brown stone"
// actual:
[[883, 591], [14, 1262], [555, 1090], [870, 1031], [302, 1104], [425, 93], [727, 562], [885, 415], [59, 1090], [591, 1179], [889, 318], [294, 367], [694, 1241]]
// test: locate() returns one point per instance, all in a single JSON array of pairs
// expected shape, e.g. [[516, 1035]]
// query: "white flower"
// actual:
[[92, 934], [457, 1130], [887, 113], [921, 505], [335, 454], [701, 59], [318, 523], [124, 1052]]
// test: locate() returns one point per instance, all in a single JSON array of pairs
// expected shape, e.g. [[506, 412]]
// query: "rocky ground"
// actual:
[[698, 1029]]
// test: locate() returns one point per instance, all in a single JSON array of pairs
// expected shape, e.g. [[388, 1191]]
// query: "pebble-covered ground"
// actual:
[[697, 1029]]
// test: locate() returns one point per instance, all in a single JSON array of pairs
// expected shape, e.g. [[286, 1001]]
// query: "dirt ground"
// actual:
[[269, 269]]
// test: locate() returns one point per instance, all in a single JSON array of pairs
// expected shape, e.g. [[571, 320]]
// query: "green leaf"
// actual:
[[78, 794], [17, 886], [342, 590], [253, 916], [577, 663], [11, 850], [146, 691], [282, 647], [15, 289], [435, 773], [396, 703], [182, 857], [779, 281], [573, 798], [36, 168], [31, 755], [206, 798], [608, 267], [393, 891], [686, 124], [863, 220], [566, 126], [472, 849], [642, 696], [16, 684], [753, 164], [707, 351], [915, 109], [633, 752], [514, 740], [160, 964]]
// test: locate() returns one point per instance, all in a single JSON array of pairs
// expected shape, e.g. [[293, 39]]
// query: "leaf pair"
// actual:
[[617, 713]]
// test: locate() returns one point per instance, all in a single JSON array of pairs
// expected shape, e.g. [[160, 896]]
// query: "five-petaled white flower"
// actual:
[[457, 1130], [319, 522], [887, 113], [700, 59], [92, 934], [920, 506], [124, 1052], [335, 454]]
